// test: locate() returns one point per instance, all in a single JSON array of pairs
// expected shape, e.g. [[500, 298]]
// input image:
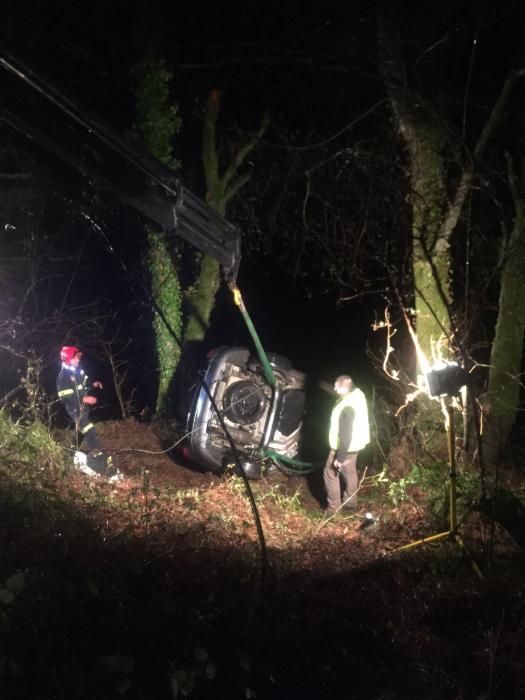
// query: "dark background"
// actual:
[[126, 575], [313, 66]]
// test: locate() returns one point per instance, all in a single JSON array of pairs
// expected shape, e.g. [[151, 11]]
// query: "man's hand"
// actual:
[[89, 400], [337, 465], [98, 385]]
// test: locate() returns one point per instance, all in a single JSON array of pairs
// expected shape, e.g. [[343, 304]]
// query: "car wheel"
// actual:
[[244, 402]]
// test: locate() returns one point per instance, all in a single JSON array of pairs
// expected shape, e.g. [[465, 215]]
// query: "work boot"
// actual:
[[350, 506], [87, 470]]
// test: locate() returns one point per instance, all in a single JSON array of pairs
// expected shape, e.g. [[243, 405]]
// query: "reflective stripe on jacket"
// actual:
[[72, 387], [356, 401]]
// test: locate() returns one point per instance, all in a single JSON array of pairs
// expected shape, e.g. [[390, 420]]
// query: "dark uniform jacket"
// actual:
[[72, 386]]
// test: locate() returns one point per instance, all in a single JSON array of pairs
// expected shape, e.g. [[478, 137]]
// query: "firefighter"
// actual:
[[349, 433], [73, 387]]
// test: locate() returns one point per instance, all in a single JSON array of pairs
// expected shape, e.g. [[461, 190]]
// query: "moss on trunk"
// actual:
[[431, 263], [201, 298], [431, 253], [507, 349], [220, 188]]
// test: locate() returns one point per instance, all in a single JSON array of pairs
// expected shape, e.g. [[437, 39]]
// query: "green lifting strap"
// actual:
[[287, 463], [263, 357], [290, 463]]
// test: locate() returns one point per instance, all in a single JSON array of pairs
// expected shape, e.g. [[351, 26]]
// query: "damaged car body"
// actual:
[[261, 418]]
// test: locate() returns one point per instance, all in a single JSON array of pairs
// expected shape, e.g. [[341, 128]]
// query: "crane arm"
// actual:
[[39, 111]]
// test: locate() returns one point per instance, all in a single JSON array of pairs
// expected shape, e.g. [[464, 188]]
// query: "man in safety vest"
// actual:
[[349, 433], [73, 387]]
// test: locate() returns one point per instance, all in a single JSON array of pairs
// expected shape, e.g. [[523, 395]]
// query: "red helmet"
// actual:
[[68, 352]]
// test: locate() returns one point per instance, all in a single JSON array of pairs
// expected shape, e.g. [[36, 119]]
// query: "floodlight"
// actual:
[[446, 380]]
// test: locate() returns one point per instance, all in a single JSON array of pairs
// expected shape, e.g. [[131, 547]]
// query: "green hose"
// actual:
[[291, 464]]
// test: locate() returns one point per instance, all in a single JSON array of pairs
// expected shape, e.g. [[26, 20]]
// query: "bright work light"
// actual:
[[446, 380]]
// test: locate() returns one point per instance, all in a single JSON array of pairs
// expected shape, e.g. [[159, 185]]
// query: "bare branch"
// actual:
[[244, 151], [465, 185]]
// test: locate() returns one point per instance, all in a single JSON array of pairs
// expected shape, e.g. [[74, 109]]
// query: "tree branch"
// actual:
[[465, 184], [210, 158], [243, 152]]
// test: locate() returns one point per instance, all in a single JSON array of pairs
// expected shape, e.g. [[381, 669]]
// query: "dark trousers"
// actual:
[[86, 429], [333, 479]]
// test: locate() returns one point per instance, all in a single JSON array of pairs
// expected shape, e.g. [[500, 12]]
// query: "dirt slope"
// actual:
[[159, 588]]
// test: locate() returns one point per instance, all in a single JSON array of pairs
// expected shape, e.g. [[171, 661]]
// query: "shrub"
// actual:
[[28, 443]]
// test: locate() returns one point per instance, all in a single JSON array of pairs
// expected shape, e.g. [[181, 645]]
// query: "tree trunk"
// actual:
[[166, 290], [200, 300], [437, 203], [431, 262], [424, 139], [220, 188], [156, 124], [504, 385]]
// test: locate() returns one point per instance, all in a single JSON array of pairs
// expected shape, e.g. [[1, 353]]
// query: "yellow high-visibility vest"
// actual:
[[356, 400]]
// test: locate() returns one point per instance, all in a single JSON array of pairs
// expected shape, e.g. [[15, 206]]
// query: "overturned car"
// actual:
[[262, 417]]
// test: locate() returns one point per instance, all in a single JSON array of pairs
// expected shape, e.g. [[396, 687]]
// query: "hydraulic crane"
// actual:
[[100, 154], [260, 399]]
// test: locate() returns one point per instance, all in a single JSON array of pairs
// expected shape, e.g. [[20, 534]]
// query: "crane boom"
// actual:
[[117, 165]]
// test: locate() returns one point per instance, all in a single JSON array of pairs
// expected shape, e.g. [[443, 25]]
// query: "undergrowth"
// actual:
[[146, 589], [29, 443]]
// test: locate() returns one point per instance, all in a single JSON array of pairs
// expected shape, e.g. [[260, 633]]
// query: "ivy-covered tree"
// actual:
[[157, 122], [505, 378]]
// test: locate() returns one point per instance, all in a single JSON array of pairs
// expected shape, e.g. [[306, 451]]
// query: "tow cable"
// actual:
[[263, 357], [287, 465]]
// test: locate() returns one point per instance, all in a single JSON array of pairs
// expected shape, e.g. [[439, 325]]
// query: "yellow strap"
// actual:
[[65, 392], [234, 289], [86, 428], [237, 298]]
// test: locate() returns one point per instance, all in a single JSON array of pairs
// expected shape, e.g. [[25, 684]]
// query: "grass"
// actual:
[[275, 494], [153, 589]]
